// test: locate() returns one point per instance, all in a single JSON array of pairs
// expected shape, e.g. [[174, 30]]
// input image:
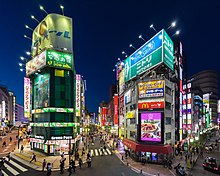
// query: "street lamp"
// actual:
[[176, 33], [20, 64], [27, 27], [173, 24], [28, 53], [152, 26], [140, 37], [27, 37], [62, 7], [42, 8], [32, 16], [131, 46], [23, 58]]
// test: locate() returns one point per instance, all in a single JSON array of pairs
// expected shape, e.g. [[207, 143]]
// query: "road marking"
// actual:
[[92, 153], [108, 151], [11, 169], [4, 173], [105, 152], [100, 152], [96, 152], [18, 166]]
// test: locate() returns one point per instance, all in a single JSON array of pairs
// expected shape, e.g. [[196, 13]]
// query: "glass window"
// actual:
[[132, 121], [168, 136], [168, 120], [168, 105], [168, 90]]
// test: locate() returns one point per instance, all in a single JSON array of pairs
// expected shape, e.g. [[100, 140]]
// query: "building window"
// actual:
[[168, 105], [168, 136], [133, 134], [168, 120], [132, 121], [168, 90]]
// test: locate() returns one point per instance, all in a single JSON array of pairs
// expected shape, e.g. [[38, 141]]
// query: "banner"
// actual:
[[104, 115], [78, 95], [27, 96], [115, 109], [151, 105]]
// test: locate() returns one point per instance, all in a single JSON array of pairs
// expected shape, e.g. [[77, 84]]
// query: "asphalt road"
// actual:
[[198, 169]]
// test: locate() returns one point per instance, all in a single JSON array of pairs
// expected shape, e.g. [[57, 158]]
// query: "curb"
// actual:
[[27, 159]]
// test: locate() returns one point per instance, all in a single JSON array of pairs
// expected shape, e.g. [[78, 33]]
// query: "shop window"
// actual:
[[168, 105], [168, 136], [168, 120], [168, 90]]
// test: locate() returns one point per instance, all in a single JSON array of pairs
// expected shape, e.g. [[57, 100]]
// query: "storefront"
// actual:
[[153, 153]]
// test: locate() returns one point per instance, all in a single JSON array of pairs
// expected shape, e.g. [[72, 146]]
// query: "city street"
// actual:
[[198, 169]]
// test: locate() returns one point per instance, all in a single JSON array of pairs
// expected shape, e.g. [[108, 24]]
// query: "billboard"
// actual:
[[115, 109], [50, 58], [27, 97], [78, 95], [151, 89], [151, 126], [41, 91], [151, 105], [155, 51], [121, 82], [50, 109], [127, 97], [55, 32], [104, 115]]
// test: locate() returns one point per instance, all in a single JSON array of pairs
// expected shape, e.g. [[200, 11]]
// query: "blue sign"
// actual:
[[147, 48]]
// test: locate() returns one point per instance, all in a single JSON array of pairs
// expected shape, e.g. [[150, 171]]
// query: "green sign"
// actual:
[[55, 124], [157, 50], [59, 59], [168, 56], [45, 110]]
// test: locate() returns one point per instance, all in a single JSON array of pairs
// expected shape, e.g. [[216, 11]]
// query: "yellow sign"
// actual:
[[144, 86], [130, 114]]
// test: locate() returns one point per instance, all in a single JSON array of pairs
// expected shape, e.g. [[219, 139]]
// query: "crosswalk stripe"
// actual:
[[105, 152], [11, 169], [18, 166], [100, 151], [96, 152], [92, 153], [108, 151], [4, 173]]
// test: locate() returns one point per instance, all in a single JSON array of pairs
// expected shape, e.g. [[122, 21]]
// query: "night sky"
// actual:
[[103, 29]]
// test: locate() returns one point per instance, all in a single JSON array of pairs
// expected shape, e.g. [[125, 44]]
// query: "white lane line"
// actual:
[[92, 153], [108, 151], [105, 152], [18, 166], [100, 152], [11, 169], [96, 152], [4, 173]]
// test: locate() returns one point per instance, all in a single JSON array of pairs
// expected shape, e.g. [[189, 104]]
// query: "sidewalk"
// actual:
[[55, 160]]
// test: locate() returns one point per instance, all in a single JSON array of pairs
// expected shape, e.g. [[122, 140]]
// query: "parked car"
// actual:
[[211, 164]]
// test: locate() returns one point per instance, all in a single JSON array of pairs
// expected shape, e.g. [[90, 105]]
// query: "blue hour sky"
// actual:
[[103, 29]]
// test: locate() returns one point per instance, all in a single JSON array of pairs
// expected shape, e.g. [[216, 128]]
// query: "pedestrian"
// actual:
[[10, 138], [80, 163], [73, 165], [49, 169], [22, 149], [61, 166], [44, 164], [33, 158], [89, 161], [4, 144], [70, 170], [62, 155], [8, 156]]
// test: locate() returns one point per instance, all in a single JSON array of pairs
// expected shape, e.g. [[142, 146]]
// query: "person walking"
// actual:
[[4, 144], [70, 170], [10, 139], [89, 161], [80, 163], [22, 149], [33, 158], [8, 156], [44, 164], [73, 165], [61, 166], [49, 169]]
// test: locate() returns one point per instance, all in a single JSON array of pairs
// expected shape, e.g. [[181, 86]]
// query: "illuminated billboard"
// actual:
[[151, 126], [78, 95], [157, 50], [127, 97], [54, 32], [50, 109], [27, 97], [41, 91], [116, 109], [151, 105], [151, 89]]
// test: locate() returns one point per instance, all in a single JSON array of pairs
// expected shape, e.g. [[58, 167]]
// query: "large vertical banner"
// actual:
[[116, 109], [27, 95], [78, 95], [104, 115]]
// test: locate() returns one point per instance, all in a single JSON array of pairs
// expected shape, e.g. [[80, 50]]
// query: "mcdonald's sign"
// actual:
[[151, 105]]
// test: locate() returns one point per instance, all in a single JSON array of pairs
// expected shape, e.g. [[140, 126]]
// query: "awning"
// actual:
[[157, 148]]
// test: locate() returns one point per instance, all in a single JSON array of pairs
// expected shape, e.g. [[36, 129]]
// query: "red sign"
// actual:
[[116, 109], [104, 115], [151, 105]]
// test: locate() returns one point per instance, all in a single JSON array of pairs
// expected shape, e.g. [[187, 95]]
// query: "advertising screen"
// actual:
[[78, 95], [151, 126], [127, 97], [116, 109], [151, 89], [41, 91], [55, 32]]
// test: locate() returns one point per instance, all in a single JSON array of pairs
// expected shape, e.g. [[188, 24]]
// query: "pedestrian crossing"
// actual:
[[12, 168], [100, 152]]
